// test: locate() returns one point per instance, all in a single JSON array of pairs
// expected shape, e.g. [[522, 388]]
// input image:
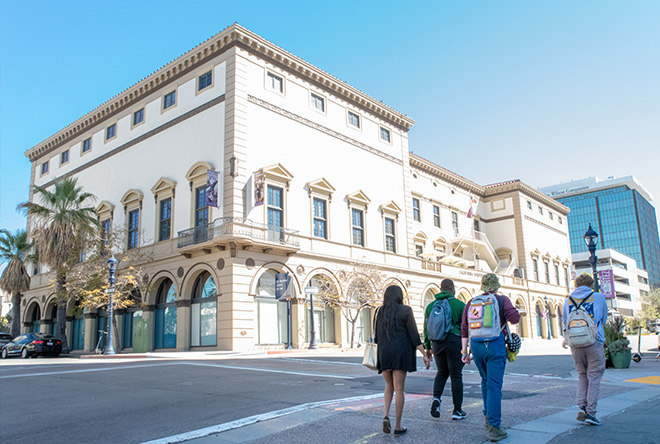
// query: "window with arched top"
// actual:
[[165, 325], [270, 314], [324, 319], [203, 312]]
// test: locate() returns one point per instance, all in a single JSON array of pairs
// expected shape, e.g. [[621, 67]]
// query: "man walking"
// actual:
[[589, 359], [447, 351]]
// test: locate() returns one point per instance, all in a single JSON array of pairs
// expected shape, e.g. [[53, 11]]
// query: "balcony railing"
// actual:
[[237, 227]]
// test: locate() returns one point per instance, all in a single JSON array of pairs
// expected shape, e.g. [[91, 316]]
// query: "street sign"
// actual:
[[282, 281], [110, 290], [311, 290]]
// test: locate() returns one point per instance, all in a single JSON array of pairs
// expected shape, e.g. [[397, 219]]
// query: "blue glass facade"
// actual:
[[625, 221]]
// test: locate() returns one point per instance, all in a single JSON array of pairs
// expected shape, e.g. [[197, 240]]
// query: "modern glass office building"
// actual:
[[619, 209]]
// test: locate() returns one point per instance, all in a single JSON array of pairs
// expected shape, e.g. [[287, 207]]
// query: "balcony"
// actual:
[[478, 242], [234, 232]]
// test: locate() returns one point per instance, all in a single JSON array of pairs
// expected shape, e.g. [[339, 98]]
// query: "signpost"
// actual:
[[311, 291], [282, 285]]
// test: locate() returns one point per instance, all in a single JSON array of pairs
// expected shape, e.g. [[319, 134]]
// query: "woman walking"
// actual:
[[397, 338]]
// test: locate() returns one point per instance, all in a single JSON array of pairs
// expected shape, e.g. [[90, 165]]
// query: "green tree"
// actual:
[[15, 253], [651, 306], [61, 225]]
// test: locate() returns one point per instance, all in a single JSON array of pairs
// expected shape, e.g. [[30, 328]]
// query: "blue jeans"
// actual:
[[490, 359]]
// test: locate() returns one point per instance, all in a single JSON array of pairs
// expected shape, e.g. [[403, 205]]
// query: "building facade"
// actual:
[[312, 176], [620, 210], [630, 282]]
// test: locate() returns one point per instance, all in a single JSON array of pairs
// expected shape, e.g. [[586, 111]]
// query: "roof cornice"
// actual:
[[517, 185], [222, 41], [443, 173]]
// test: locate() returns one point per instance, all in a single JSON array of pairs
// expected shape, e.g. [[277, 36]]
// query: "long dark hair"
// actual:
[[392, 298]]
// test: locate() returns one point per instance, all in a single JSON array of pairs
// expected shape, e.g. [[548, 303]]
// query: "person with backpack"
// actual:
[[584, 314], [484, 320], [442, 338]]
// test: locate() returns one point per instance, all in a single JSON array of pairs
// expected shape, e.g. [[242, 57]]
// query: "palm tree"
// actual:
[[15, 252], [61, 223]]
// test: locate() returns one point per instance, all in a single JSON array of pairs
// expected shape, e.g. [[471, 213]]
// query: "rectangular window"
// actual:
[[357, 223], [106, 227], [390, 236], [64, 157], [44, 168], [529, 204], [318, 102], [201, 208], [550, 216], [477, 225], [557, 274], [540, 210], [276, 83], [138, 117], [205, 80], [566, 277], [169, 100], [416, 211], [536, 269], [546, 266], [87, 145], [111, 131], [454, 222], [385, 134], [165, 222], [419, 249], [133, 226], [436, 216], [354, 119], [320, 219], [275, 212], [560, 221]]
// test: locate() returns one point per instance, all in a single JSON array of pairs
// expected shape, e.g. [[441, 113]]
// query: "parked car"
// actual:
[[5, 338], [32, 344]]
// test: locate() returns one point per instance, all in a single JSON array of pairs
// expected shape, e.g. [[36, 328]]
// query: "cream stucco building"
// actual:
[[313, 175]]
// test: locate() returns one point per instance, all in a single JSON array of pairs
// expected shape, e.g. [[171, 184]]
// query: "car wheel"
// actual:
[[4, 353], [25, 354], [56, 355]]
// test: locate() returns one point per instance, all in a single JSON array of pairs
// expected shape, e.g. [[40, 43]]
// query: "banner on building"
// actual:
[[259, 185], [282, 285], [606, 278], [473, 207], [212, 188]]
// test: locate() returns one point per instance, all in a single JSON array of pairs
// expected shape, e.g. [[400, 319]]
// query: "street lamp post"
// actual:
[[547, 316], [591, 239], [311, 291], [112, 267]]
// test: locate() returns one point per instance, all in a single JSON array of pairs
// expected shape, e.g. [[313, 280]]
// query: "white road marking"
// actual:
[[200, 433], [267, 370], [319, 361], [64, 372]]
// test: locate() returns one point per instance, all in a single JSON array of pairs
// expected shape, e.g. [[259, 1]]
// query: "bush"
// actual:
[[619, 346], [5, 324]]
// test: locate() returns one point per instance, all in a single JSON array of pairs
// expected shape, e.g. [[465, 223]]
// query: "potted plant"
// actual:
[[617, 346]]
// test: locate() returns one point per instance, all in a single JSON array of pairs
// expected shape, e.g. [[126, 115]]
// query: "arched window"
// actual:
[[53, 320], [36, 319], [132, 320], [324, 320], [165, 325], [539, 321], [429, 297], [269, 313], [203, 323], [358, 292]]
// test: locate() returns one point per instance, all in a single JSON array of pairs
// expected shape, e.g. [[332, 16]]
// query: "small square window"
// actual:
[[169, 100], [111, 131], [87, 145], [64, 157], [385, 134], [318, 102], [205, 80], [44, 168], [138, 117], [274, 82], [353, 119]]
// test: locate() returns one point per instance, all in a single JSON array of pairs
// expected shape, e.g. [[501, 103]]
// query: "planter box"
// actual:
[[621, 359]]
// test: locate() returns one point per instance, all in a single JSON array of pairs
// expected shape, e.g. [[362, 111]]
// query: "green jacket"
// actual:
[[457, 307]]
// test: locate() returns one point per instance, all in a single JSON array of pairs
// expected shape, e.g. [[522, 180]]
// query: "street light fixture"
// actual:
[[547, 316], [591, 239], [112, 267]]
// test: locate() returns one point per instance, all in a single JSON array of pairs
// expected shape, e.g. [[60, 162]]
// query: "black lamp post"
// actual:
[[112, 267], [547, 317], [591, 239]]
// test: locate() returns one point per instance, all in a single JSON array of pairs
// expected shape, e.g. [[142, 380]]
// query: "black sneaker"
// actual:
[[582, 415], [458, 414], [591, 419], [435, 408]]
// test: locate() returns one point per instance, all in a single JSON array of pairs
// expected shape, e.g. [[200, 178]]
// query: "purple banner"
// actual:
[[212, 188], [606, 278], [259, 185]]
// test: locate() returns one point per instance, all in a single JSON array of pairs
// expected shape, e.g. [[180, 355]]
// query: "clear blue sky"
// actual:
[[542, 91]]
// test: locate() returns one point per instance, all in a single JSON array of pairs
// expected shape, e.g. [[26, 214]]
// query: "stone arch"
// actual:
[[325, 272], [282, 268], [463, 294], [538, 313], [428, 294], [155, 282], [198, 169], [189, 279], [522, 328]]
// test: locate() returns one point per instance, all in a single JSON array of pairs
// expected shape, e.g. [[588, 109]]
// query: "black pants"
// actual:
[[447, 355]]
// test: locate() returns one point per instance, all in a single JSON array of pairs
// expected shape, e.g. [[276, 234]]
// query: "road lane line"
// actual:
[[320, 361], [286, 372], [200, 433], [64, 372]]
